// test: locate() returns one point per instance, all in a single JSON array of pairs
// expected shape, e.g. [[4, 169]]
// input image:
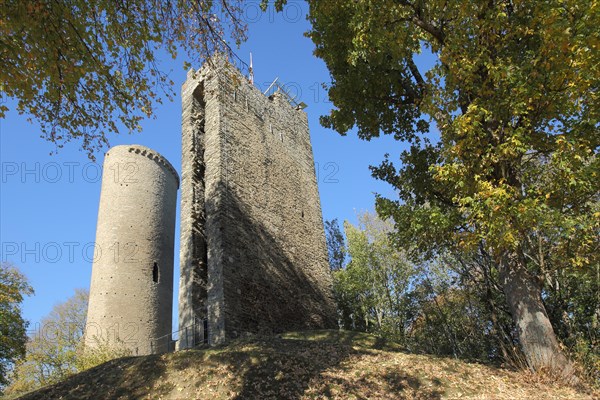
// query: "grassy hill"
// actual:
[[309, 365]]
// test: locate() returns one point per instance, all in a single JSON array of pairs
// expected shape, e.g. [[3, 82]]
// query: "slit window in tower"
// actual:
[[155, 273]]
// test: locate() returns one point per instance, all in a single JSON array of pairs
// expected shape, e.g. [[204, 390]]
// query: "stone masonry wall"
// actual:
[[131, 292], [266, 256], [193, 264]]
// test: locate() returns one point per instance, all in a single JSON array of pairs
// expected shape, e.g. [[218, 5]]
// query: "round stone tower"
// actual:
[[131, 292]]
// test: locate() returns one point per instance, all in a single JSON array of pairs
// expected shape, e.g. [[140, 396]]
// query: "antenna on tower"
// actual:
[[251, 71]]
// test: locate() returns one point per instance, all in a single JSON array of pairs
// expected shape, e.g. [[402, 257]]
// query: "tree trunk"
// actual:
[[535, 333]]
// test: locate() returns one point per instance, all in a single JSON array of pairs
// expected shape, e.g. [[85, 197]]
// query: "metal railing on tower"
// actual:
[[188, 337]]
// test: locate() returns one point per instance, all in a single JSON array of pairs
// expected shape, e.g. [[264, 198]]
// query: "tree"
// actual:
[[573, 304], [13, 336], [56, 349], [335, 245], [461, 311], [446, 306], [371, 289], [53, 351], [82, 67], [513, 93]]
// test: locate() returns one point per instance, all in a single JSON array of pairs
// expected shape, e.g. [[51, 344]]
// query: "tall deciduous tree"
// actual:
[[84, 68], [514, 95], [13, 335], [56, 350], [371, 290], [53, 350]]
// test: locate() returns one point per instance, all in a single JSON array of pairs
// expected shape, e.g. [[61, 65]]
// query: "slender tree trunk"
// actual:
[[535, 333]]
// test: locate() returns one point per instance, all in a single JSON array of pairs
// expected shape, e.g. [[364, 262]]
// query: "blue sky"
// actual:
[[49, 204]]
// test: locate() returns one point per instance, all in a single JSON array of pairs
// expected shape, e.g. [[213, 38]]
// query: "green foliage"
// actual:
[[52, 351], [81, 68], [587, 355], [13, 335], [454, 305], [573, 304], [513, 94], [335, 245], [461, 313], [451, 322], [56, 350], [102, 351], [451, 306], [371, 289]]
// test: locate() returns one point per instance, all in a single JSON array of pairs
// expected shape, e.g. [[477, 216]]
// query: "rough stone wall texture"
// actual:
[[131, 292], [253, 250]]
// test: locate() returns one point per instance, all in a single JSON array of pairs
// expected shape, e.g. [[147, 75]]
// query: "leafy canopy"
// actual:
[[335, 245], [13, 335], [371, 287], [514, 96], [52, 348], [56, 350], [83, 68]]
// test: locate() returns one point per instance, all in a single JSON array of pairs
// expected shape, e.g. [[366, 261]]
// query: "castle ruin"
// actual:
[[131, 291], [253, 255]]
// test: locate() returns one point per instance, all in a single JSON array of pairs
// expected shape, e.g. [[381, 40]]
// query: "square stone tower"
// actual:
[[253, 252]]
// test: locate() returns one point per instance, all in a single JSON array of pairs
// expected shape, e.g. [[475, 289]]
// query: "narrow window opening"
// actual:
[[155, 273], [205, 331], [302, 214]]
